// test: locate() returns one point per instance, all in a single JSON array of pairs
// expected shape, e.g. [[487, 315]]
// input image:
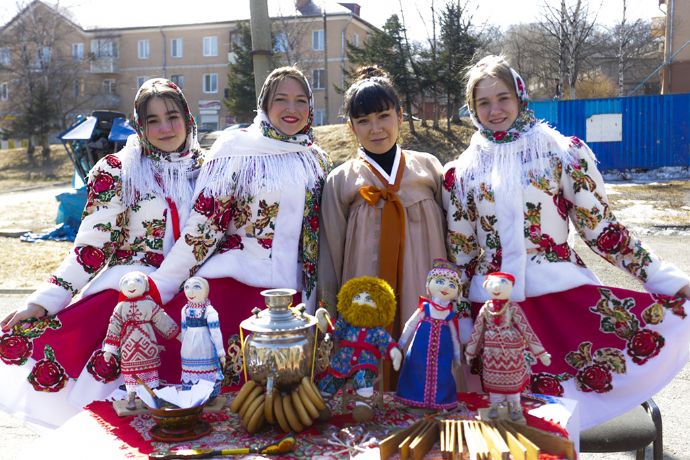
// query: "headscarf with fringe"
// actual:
[[508, 160], [149, 170], [260, 158]]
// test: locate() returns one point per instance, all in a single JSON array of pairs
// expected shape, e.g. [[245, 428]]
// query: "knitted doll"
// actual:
[[426, 379], [202, 353], [366, 305], [501, 333], [131, 332]]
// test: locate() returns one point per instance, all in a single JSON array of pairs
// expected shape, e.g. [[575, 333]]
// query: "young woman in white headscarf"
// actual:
[[254, 222], [137, 201], [510, 200]]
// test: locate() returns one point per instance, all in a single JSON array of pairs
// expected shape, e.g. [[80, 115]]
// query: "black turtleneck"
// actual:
[[385, 160]]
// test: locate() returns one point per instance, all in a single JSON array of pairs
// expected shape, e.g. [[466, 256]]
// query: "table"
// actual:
[[97, 432]]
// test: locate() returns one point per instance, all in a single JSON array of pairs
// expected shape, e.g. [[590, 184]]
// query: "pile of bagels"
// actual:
[[293, 411]]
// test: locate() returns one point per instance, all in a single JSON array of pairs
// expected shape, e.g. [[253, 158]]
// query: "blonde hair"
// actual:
[[379, 290], [273, 80], [489, 66]]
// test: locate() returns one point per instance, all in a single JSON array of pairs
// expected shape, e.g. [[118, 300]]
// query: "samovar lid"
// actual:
[[279, 316]]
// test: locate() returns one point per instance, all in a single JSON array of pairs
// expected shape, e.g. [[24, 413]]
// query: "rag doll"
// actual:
[[202, 353], [131, 332], [366, 305], [426, 379], [501, 333]]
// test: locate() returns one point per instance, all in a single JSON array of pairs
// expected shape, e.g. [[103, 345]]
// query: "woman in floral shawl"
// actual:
[[510, 198], [137, 200], [254, 222]]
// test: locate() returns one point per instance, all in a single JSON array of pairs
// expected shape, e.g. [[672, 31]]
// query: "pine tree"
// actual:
[[241, 93], [388, 49], [458, 46]]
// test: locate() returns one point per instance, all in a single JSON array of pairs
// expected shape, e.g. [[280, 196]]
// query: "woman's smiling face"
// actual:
[[496, 104], [288, 109], [377, 132]]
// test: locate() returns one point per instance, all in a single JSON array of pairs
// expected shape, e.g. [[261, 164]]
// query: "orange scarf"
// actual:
[[392, 239]]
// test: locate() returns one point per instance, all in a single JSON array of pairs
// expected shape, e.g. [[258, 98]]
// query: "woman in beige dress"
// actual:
[[381, 211]]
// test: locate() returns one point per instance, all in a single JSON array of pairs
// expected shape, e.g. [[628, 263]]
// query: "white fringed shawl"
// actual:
[[508, 167], [165, 178], [242, 163]]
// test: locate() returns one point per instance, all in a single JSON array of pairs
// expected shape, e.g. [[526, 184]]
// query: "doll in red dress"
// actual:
[[131, 332], [501, 333]]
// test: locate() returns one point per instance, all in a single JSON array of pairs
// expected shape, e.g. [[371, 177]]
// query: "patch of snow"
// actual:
[[664, 173]]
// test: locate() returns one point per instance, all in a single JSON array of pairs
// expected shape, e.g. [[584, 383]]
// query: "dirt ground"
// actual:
[[17, 172], [654, 206]]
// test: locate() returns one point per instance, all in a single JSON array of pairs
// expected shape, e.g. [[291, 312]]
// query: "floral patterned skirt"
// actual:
[[51, 367], [611, 349]]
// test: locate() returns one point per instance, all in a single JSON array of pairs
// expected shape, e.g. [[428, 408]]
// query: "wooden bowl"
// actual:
[[176, 421]]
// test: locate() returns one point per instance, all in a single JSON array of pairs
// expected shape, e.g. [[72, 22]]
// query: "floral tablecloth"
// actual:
[[99, 433]]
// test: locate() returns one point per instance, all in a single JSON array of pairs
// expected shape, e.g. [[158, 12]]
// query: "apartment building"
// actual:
[[116, 59]]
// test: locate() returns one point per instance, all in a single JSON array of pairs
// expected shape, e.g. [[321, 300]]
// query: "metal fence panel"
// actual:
[[644, 132]]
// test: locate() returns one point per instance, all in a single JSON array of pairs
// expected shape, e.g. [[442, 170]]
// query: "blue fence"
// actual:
[[626, 132]]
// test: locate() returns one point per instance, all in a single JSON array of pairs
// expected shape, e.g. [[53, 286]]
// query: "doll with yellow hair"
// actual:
[[366, 305]]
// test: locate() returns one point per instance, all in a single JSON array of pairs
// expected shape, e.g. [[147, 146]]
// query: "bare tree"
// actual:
[[47, 84], [622, 39], [572, 28], [531, 51], [637, 50]]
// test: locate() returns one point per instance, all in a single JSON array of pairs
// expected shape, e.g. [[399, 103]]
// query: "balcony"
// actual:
[[104, 64]]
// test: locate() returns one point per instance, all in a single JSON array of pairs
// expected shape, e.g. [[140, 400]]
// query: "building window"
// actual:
[[319, 117], [208, 122], [317, 40], [210, 46], [210, 83], [143, 49], [77, 51], [355, 39], [109, 86], [76, 88], [140, 81], [43, 56], [235, 41], [4, 92], [104, 47], [5, 56], [178, 80], [318, 78], [176, 47], [280, 42]]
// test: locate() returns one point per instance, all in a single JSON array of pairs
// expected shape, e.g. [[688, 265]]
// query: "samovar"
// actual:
[[279, 350]]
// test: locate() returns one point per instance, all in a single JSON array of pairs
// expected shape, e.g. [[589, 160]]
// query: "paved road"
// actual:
[[674, 400]]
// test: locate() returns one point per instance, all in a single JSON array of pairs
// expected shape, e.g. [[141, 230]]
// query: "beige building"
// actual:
[[676, 68], [116, 59]]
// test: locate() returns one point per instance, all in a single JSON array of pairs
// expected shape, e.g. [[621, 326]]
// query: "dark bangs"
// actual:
[[370, 97]]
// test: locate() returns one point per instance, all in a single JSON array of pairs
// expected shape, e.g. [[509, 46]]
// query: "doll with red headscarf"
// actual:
[[131, 332], [501, 333]]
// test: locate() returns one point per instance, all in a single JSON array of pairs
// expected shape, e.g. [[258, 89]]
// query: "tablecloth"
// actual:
[[98, 432]]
